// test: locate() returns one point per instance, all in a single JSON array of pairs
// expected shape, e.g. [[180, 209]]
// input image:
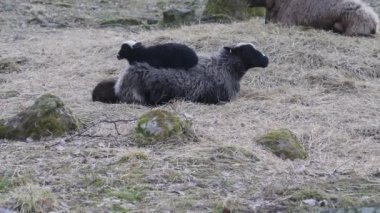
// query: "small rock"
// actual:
[[177, 17], [310, 202], [158, 126], [283, 143]]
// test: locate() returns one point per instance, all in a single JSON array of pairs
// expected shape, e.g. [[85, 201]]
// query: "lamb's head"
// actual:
[[127, 49], [248, 55], [105, 92]]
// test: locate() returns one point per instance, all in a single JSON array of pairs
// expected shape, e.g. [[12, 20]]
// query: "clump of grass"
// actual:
[[173, 176], [133, 155], [234, 153], [118, 209], [5, 183], [308, 193], [131, 194], [93, 179], [33, 198]]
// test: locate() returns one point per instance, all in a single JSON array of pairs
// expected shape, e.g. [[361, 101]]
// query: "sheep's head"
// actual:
[[127, 49], [248, 55]]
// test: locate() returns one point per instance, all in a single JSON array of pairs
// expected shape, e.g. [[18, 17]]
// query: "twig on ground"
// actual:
[[114, 122]]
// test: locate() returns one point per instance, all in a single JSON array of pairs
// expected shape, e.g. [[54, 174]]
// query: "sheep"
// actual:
[[215, 79], [105, 92], [169, 55], [347, 17]]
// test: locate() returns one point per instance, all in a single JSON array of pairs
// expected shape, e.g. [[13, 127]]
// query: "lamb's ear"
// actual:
[[229, 48], [137, 45]]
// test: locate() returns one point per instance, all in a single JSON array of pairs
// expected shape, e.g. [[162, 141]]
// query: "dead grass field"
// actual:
[[322, 86]]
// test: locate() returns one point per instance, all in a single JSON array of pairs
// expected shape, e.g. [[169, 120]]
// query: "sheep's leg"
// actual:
[[267, 16]]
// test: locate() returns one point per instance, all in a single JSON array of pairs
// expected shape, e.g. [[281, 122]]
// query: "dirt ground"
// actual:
[[322, 86]]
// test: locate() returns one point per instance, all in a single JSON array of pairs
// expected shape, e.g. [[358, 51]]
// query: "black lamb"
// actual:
[[168, 55]]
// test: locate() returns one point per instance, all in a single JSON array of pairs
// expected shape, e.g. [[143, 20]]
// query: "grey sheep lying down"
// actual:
[[213, 80], [347, 17]]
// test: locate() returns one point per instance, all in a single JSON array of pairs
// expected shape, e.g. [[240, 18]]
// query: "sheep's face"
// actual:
[[249, 56], [127, 50]]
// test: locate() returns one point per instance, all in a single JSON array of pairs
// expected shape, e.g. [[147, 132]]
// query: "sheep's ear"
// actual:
[[229, 48], [137, 45]]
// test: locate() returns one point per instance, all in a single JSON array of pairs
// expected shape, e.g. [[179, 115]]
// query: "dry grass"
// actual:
[[322, 86]]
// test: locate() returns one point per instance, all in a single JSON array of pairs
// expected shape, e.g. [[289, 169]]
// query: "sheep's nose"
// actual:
[[119, 57], [264, 62]]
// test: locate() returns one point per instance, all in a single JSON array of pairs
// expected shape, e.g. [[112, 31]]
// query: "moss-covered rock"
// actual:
[[177, 17], [235, 9], [159, 126], [283, 143], [47, 117]]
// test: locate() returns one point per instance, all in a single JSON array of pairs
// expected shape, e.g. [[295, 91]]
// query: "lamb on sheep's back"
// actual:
[[213, 80], [168, 55]]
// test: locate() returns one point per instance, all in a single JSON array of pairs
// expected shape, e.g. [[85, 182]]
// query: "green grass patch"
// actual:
[[5, 184], [131, 194], [118, 209]]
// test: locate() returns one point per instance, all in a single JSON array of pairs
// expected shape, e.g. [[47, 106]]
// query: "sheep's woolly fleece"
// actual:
[[349, 17]]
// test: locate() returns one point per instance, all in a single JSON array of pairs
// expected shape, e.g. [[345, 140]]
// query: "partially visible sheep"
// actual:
[[169, 55], [348, 17], [105, 92], [213, 80]]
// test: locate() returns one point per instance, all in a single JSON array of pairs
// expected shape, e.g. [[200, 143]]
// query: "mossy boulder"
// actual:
[[283, 143], [177, 17], [235, 9], [46, 117], [158, 126]]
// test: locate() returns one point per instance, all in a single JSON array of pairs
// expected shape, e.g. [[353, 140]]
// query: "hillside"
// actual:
[[322, 86]]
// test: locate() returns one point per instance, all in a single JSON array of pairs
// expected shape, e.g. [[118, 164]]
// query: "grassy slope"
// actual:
[[323, 86]]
